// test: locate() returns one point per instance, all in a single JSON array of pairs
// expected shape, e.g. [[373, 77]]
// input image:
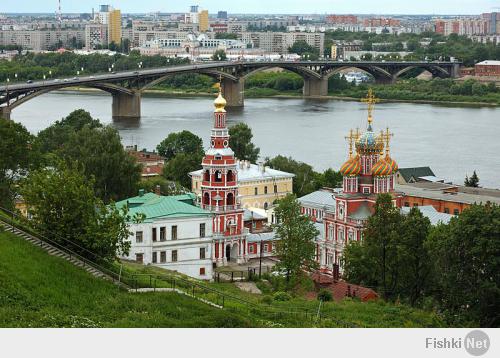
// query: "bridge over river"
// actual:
[[127, 87]]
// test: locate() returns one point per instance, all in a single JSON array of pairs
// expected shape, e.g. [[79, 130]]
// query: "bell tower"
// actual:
[[219, 190]]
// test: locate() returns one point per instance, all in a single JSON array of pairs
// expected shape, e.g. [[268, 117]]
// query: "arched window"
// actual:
[[218, 176], [206, 175], [230, 199], [230, 176], [206, 199]]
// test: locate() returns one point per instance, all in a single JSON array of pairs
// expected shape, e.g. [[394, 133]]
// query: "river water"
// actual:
[[452, 140]]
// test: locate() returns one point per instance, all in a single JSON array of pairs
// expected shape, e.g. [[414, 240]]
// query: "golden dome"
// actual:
[[351, 167], [220, 103]]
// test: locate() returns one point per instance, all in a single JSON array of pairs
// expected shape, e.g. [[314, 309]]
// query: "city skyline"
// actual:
[[445, 7]]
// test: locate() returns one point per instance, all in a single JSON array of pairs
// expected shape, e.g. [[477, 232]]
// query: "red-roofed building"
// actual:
[[152, 163]]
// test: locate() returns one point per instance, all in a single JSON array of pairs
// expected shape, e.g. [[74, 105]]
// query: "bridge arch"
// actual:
[[375, 71], [433, 69], [209, 72], [105, 87], [304, 72]]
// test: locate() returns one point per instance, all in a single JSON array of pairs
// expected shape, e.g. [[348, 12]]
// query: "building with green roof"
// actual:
[[172, 233]]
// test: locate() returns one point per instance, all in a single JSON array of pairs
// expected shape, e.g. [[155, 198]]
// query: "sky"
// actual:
[[440, 7]]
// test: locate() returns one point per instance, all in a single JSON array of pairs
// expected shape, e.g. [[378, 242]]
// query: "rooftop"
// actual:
[[451, 193], [155, 206], [412, 174], [321, 198], [431, 213], [254, 172], [489, 62]]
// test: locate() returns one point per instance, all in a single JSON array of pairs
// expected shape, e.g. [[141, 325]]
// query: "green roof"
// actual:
[[412, 174], [155, 206]]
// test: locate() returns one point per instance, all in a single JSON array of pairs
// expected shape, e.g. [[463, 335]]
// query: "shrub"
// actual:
[[282, 296], [266, 300], [325, 295]]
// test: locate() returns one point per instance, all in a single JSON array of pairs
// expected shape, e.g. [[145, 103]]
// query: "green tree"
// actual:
[[306, 179], [116, 174], [302, 48], [466, 255], [330, 178], [240, 141], [473, 181], [64, 208], [181, 142], [219, 55], [57, 135], [379, 250], [415, 273], [18, 153], [166, 187], [296, 247], [179, 167]]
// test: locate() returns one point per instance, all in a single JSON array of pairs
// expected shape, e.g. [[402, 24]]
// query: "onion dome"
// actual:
[[382, 168], [369, 143], [351, 167], [392, 163], [220, 103]]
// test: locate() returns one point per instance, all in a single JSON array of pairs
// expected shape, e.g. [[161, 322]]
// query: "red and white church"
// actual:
[[219, 193], [366, 173]]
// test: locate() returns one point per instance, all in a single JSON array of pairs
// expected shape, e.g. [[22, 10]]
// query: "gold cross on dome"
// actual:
[[386, 136], [351, 137], [370, 100]]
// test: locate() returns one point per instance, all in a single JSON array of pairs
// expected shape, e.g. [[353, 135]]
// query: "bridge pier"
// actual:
[[5, 112], [126, 106], [234, 92], [315, 87]]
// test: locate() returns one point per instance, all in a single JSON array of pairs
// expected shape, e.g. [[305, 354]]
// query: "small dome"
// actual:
[[382, 168], [351, 167], [369, 143], [220, 103]]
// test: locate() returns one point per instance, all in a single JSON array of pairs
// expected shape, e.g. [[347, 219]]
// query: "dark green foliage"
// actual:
[[167, 187], [63, 207], [103, 157], [240, 141], [178, 168], [226, 35], [473, 181], [325, 295], [466, 258], [180, 142], [296, 247], [302, 48], [58, 134], [18, 153], [282, 81], [281, 296], [219, 55], [306, 179]]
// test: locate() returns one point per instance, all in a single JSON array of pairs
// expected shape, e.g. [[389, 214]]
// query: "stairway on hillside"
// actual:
[[54, 251]]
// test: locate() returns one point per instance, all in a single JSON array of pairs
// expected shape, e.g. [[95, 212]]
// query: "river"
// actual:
[[452, 140]]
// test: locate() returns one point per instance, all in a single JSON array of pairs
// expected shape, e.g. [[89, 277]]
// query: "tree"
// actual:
[[240, 141], [57, 135], [473, 181], [306, 179], [465, 254], [331, 179], [64, 208], [181, 142], [296, 246], [219, 55], [100, 151], [302, 48], [178, 168], [18, 153], [379, 251], [416, 269]]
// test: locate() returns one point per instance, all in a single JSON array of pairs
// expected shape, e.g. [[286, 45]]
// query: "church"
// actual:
[[368, 171]]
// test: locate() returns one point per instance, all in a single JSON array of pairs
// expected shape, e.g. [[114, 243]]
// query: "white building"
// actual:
[[173, 234]]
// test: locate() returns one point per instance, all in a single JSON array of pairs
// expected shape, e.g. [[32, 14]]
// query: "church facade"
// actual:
[[368, 171]]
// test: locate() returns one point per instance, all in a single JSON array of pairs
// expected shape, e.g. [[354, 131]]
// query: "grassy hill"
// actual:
[[39, 290]]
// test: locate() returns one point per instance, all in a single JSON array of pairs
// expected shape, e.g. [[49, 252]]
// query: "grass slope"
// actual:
[[39, 290]]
